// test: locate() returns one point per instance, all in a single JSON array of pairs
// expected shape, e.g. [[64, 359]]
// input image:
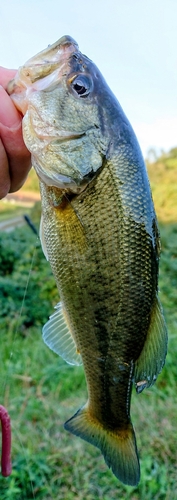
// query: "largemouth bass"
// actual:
[[100, 235]]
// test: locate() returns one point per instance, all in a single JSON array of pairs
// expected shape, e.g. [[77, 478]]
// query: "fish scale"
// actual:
[[92, 282], [100, 235]]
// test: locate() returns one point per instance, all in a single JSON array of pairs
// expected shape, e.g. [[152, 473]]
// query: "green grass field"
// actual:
[[41, 391]]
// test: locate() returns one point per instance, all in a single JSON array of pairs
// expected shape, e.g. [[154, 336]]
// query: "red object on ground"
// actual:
[[6, 467]]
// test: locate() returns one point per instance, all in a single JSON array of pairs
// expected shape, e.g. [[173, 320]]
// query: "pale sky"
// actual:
[[133, 42]]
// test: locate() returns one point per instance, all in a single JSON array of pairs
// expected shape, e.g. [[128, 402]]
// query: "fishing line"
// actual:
[[21, 310], [11, 355]]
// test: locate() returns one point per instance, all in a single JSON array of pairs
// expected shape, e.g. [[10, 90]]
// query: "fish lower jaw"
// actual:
[[60, 181]]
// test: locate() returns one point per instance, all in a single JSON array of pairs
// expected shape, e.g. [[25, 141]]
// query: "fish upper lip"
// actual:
[[57, 50], [50, 61]]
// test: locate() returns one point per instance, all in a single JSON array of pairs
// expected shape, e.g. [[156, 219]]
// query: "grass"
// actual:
[[41, 391]]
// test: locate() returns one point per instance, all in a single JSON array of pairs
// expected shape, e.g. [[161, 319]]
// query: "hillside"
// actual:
[[163, 180]]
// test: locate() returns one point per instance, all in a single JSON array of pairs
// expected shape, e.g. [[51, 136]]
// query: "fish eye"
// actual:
[[82, 85]]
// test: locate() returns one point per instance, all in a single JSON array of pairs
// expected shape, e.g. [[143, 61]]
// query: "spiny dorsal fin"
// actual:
[[57, 336], [152, 358]]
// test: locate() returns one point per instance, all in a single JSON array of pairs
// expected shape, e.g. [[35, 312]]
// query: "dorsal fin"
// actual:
[[57, 336]]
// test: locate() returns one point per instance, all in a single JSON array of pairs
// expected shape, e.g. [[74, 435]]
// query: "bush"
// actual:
[[7, 257], [27, 287]]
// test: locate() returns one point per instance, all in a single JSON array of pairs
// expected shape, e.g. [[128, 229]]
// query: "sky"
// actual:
[[133, 43]]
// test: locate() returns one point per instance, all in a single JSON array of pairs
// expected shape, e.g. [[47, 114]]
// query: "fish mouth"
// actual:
[[41, 71], [53, 53]]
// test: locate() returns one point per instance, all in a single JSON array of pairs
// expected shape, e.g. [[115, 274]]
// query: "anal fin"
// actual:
[[56, 334], [152, 358]]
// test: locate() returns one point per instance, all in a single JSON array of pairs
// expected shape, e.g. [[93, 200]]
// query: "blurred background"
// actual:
[[134, 44]]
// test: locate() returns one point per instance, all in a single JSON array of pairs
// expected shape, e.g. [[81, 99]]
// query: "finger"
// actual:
[[4, 172], [19, 158], [18, 155], [11, 136], [9, 116], [19, 169], [6, 75]]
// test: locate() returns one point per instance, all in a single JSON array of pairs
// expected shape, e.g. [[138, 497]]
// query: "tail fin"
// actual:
[[118, 447]]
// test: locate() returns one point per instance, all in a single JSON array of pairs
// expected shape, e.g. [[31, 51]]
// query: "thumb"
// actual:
[[9, 116]]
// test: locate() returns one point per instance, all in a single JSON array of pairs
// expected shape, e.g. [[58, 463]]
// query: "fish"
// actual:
[[99, 233]]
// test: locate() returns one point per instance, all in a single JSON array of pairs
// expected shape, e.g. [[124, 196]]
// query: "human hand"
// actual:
[[15, 159]]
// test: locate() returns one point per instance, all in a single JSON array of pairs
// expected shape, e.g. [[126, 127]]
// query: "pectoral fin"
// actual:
[[152, 358], [57, 336]]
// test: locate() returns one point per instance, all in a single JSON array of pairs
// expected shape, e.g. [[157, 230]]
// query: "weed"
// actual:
[[41, 391]]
